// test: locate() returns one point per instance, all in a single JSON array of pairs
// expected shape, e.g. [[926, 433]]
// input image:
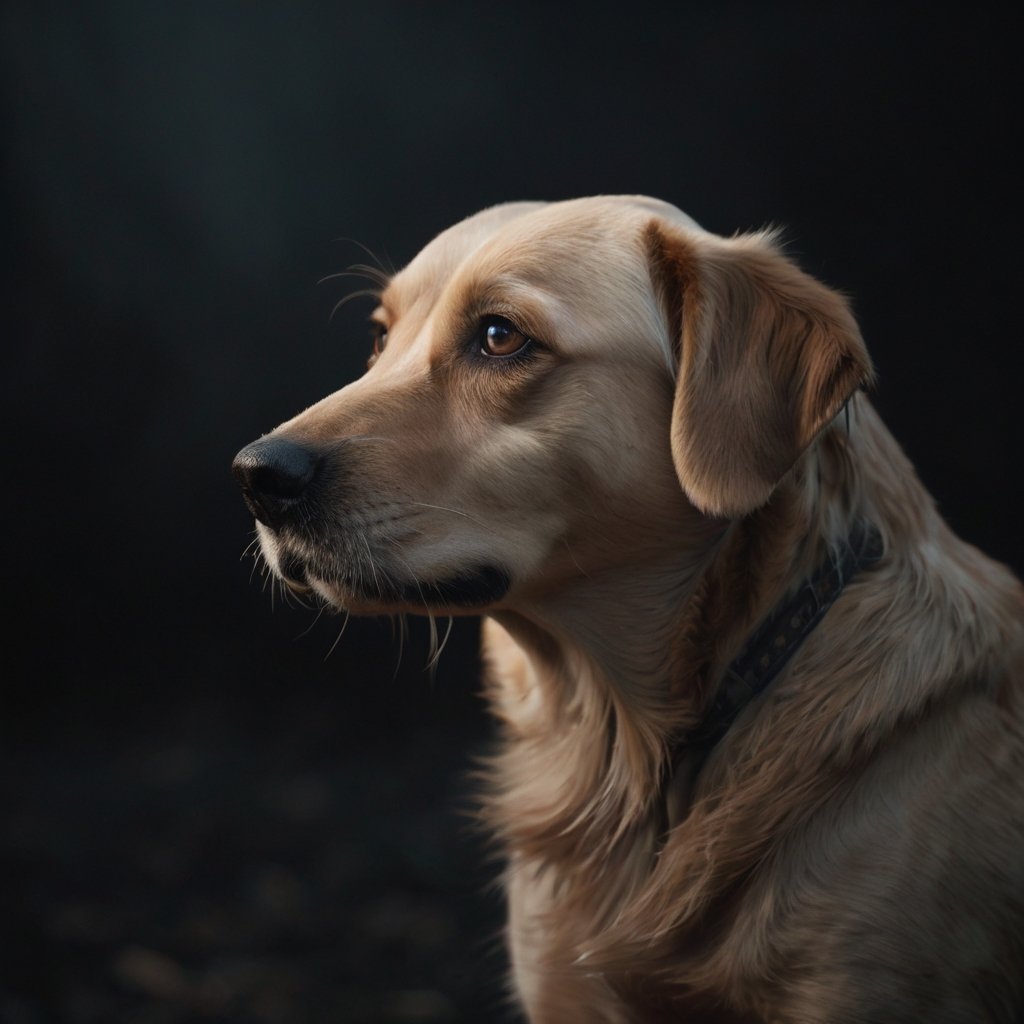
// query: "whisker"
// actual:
[[432, 653], [337, 639], [454, 512], [388, 269], [432, 664], [363, 293], [399, 623], [309, 628], [358, 270], [433, 644], [258, 562], [373, 567], [366, 437], [372, 273]]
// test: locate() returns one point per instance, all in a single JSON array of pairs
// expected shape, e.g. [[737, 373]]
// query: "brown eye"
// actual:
[[501, 338], [380, 341]]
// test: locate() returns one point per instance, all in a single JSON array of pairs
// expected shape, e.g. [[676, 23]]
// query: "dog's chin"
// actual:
[[466, 592]]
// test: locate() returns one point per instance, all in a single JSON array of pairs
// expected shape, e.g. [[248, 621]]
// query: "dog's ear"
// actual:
[[767, 357]]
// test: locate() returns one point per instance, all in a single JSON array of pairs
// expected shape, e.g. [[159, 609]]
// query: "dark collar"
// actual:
[[779, 637]]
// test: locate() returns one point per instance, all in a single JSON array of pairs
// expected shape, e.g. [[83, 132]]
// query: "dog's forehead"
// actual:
[[566, 240], [437, 261]]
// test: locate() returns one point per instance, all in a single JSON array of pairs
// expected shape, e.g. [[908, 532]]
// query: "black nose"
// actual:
[[273, 474]]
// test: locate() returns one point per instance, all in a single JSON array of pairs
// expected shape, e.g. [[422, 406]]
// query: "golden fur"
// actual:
[[678, 450]]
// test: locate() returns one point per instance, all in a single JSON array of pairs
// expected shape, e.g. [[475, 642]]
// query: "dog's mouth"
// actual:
[[471, 588], [293, 572], [377, 589], [326, 529]]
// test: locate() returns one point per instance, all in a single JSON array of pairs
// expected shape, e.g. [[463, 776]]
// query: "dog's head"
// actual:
[[555, 390]]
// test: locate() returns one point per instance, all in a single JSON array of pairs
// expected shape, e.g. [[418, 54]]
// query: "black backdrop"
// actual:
[[211, 810]]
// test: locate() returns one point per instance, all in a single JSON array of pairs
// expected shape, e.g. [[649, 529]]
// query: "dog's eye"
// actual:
[[380, 341], [501, 338]]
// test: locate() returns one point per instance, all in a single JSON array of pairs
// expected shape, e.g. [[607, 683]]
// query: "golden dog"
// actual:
[[762, 751]]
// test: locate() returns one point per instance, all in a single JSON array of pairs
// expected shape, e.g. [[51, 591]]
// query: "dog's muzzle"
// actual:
[[274, 474]]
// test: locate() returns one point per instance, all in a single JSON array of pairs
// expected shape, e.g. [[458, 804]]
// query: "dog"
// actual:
[[761, 755]]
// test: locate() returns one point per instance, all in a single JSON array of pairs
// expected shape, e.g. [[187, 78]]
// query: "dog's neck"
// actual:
[[588, 786], [631, 658]]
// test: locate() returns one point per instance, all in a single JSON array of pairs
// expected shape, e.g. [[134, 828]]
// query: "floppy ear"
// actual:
[[767, 357]]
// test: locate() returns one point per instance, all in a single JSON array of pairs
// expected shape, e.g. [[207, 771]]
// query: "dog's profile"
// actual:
[[762, 713]]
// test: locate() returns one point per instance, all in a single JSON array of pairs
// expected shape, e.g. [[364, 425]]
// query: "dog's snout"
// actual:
[[274, 474]]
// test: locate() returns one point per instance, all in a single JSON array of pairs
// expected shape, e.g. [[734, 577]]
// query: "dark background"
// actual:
[[211, 811]]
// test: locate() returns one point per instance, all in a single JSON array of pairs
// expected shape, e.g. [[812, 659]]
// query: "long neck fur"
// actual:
[[597, 708]]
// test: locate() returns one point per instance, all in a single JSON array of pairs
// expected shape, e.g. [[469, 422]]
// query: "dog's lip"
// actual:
[[294, 572], [469, 592]]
